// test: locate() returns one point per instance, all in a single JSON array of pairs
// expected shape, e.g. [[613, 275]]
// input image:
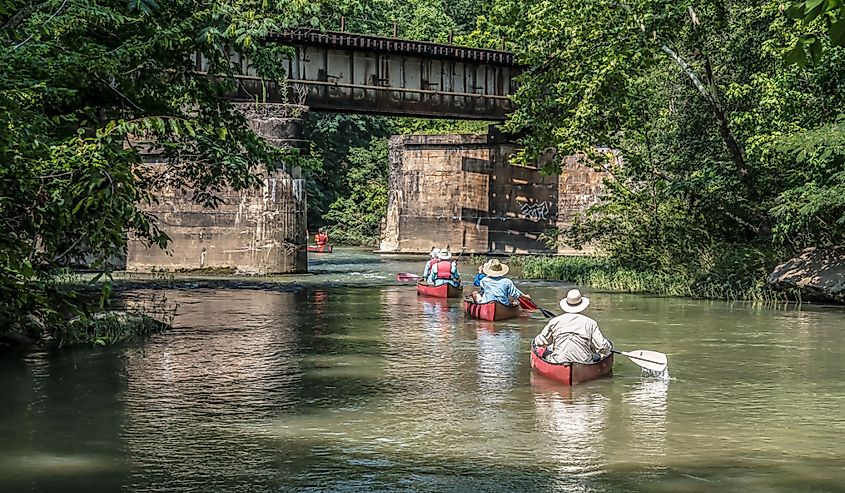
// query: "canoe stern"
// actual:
[[571, 373]]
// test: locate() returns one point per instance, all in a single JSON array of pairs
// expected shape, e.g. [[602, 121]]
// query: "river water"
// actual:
[[344, 380]]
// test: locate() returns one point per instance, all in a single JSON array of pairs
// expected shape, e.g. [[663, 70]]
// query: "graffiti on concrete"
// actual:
[[536, 211]]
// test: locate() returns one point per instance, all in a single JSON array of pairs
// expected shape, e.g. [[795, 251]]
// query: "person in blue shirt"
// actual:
[[495, 286], [444, 271], [481, 275]]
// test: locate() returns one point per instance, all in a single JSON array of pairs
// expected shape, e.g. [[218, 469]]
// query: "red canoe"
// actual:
[[442, 291], [319, 248], [571, 373], [492, 310]]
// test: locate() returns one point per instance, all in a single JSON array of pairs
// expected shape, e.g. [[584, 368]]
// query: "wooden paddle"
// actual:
[[650, 360]]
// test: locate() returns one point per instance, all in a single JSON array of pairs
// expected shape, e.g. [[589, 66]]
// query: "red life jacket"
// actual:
[[444, 269]]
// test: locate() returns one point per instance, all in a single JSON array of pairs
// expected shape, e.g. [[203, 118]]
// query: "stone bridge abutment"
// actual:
[[259, 231], [462, 191]]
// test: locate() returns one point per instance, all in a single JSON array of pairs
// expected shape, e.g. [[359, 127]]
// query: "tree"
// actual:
[[357, 215], [697, 100], [82, 82], [825, 19]]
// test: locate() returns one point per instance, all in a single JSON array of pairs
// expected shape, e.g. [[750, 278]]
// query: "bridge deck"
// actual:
[[356, 73]]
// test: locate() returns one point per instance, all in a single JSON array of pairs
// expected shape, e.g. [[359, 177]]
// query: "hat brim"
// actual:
[[487, 270], [444, 256], [580, 307]]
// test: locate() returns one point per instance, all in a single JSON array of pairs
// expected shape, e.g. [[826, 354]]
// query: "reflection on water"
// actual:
[[185, 400], [498, 355], [573, 423], [647, 417], [339, 389]]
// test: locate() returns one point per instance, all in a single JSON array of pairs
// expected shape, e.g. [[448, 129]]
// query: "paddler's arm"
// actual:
[[544, 337], [513, 292], [601, 343]]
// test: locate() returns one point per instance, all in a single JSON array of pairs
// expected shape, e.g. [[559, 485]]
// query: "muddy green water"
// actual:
[[346, 381]]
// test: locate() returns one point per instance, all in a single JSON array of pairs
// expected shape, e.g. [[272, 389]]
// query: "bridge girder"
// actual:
[[352, 73]]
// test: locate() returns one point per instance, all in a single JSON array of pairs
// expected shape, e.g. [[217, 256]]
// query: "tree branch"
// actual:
[[62, 6], [712, 100], [690, 73]]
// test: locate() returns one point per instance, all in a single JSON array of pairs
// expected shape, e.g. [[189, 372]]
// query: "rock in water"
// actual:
[[817, 273]]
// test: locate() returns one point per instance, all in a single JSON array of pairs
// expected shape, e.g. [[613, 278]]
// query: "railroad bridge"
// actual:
[[356, 73], [264, 231]]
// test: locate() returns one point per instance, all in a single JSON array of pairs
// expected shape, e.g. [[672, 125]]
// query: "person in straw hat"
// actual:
[[444, 271], [495, 286], [431, 261], [572, 336]]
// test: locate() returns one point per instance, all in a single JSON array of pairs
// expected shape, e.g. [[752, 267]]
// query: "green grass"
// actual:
[[605, 274]]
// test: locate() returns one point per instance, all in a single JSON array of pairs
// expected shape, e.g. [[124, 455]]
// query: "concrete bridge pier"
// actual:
[[258, 231]]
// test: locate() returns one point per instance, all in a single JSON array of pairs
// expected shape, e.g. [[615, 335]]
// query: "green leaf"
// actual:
[[815, 51], [795, 11], [797, 56], [837, 32], [189, 128], [813, 9]]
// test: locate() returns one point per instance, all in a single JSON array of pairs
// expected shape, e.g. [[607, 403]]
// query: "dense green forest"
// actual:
[[728, 114]]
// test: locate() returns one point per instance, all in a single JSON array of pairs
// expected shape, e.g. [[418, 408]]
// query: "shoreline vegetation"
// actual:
[[606, 274], [103, 328]]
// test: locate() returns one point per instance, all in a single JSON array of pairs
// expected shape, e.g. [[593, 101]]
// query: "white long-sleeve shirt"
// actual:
[[572, 337]]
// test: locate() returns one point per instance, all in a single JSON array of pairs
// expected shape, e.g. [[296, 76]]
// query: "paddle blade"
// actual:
[[650, 360], [406, 276], [527, 304], [547, 313]]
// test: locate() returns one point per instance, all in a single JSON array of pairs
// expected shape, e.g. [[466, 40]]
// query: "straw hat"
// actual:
[[444, 254], [574, 302], [494, 268], [434, 251]]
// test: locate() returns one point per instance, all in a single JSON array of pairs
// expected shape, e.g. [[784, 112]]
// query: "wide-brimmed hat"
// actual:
[[494, 268], [434, 251], [574, 302], [444, 254]]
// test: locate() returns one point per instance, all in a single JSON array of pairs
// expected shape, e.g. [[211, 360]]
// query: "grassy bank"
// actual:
[[748, 282]]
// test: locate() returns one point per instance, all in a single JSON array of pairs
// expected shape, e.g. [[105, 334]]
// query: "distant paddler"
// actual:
[[321, 238], [431, 261], [481, 275], [444, 271]]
